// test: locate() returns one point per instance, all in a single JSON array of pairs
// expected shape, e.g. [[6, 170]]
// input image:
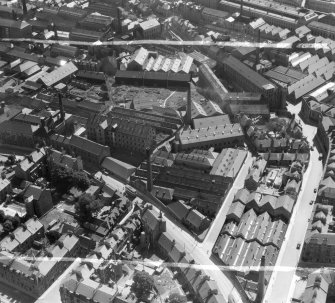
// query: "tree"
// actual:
[[11, 158], [80, 180], [53, 236], [16, 221], [2, 216], [177, 298], [86, 207], [143, 283], [62, 178], [8, 226]]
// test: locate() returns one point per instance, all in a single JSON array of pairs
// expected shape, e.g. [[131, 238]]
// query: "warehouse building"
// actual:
[[220, 136], [14, 29], [251, 81]]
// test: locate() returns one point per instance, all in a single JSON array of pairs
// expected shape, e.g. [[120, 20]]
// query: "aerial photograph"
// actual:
[[167, 151]]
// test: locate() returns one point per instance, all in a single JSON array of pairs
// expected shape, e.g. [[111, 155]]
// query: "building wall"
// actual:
[[44, 204], [276, 20], [322, 6], [208, 3], [31, 174], [150, 33], [273, 96], [217, 144], [4, 191], [35, 287], [10, 32], [91, 158], [318, 253], [13, 138], [322, 32]]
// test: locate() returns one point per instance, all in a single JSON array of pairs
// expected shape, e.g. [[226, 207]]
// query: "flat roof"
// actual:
[[149, 24]]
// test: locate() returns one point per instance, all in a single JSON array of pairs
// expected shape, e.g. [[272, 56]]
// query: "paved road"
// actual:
[[216, 226], [200, 251], [289, 255], [200, 256]]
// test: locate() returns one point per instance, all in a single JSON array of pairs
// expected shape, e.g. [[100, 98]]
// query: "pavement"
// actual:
[[288, 259]]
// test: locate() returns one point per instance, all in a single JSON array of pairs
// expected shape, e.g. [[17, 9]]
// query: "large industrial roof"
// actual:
[[246, 72], [58, 74]]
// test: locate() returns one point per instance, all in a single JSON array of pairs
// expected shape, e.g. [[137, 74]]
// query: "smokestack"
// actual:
[[261, 279], [54, 28], [149, 179], [61, 107], [24, 7], [241, 8], [14, 16], [257, 49], [188, 116], [119, 25]]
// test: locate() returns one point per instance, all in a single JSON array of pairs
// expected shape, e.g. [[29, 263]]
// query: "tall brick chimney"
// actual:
[[258, 49], [188, 116], [54, 28], [61, 107], [149, 178], [261, 280], [119, 24], [24, 7]]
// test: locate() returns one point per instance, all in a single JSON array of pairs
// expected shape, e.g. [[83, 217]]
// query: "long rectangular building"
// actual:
[[270, 17], [251, 81], [221, 136], [270, 6], [322, 29], [209, 80]]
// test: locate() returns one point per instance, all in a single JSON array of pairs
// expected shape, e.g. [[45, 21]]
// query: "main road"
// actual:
[[201, 251], [284, 270]]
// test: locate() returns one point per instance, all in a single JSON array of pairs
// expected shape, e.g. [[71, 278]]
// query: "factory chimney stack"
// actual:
[[61, 106], [261, 280], [149, 178]]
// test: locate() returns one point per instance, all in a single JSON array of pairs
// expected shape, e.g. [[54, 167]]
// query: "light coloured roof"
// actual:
[[149, 24], [58, 74], [210, 133]]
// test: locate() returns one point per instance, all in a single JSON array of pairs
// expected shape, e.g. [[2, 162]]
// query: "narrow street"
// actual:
[[289, 255]]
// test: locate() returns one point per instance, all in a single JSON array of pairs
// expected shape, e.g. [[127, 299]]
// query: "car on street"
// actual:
[[310, 203], [314, 190], [298, 246]]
